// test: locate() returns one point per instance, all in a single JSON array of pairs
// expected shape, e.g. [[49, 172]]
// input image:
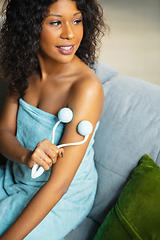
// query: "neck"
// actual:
[[51, 68]]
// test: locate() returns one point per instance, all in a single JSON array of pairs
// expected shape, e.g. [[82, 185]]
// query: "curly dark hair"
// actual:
[[20, 38]]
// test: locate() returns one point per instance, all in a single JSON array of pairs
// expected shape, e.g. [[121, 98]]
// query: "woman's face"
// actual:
[[62, 32]]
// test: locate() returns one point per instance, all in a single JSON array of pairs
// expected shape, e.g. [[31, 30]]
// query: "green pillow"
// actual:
[[136, 215]]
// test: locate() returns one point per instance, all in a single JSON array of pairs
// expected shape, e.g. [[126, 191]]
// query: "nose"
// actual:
[[67, 32]]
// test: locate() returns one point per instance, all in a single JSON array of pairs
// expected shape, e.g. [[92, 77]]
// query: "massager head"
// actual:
[[65, 115], [85, 128]]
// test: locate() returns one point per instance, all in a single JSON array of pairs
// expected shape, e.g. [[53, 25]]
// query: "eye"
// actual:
[[56, 23], [78, 21]]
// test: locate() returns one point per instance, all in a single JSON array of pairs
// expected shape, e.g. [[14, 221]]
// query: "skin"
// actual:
[[69, 83]]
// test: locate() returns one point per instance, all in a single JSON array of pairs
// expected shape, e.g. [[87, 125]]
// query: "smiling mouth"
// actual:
[[66, 48]]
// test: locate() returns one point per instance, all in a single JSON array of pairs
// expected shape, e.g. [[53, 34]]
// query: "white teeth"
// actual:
[[66, 48]]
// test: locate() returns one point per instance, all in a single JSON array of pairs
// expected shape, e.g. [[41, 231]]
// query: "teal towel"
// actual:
[[17, 187]]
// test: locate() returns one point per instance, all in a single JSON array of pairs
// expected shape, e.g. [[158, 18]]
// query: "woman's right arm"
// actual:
[[45, 153]]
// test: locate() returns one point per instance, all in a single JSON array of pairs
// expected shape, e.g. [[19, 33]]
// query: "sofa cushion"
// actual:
[[136, 215], [85, 231], [104, 72], [129, 128]]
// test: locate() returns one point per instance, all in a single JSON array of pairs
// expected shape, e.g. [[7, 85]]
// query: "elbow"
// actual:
[[59, 189], [63, 189], [4, 130]]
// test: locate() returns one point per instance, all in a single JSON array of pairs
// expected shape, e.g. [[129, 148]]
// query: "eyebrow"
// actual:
[[55, 15]]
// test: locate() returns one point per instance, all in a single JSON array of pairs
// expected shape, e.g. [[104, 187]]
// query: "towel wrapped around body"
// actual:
[[17, 187]]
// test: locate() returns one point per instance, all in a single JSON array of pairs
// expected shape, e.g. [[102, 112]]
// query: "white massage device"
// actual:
[[84, 128]]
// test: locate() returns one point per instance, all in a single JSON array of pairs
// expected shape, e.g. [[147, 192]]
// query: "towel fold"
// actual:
[[17, 187]]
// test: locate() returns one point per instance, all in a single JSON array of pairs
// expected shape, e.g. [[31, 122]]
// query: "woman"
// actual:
[[46, 47]]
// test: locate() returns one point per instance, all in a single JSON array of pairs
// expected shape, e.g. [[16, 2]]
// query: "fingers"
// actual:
[[42, 159], [46, 154], [49, 151]]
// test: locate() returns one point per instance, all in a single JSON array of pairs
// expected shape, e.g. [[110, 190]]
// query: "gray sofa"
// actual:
[[129, 128]]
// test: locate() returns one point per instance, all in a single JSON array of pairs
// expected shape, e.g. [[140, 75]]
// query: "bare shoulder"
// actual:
[[87, 82], [87, 92]]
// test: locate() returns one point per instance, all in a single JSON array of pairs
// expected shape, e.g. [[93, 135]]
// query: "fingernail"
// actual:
[[61, 154]]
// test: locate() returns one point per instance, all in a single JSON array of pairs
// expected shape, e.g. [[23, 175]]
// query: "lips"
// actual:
[[66, 49]]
